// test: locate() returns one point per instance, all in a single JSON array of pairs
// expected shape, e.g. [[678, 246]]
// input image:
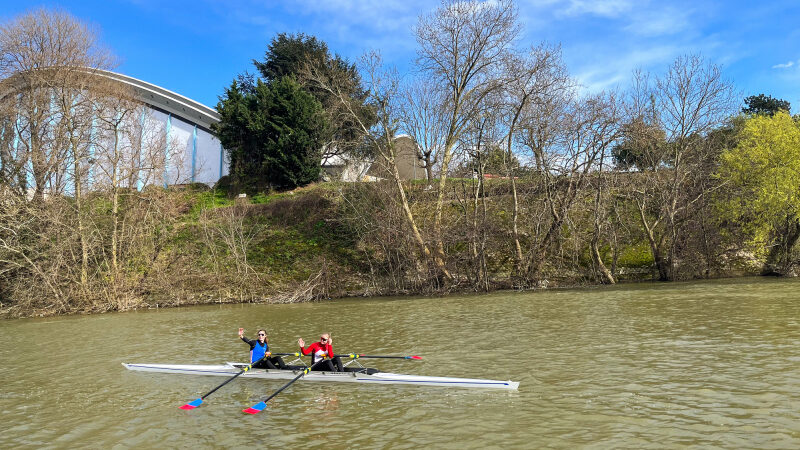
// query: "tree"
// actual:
[[291, 55], [765, 104], [528, 82], [688, 102], [763, 176], [498, 162], [46, 60], [76, 233], [378, 135], [274, 134], [643, 146], [421, 118], [460, 47], [294, 126], [481, 144], [288, 54], [567, 139]]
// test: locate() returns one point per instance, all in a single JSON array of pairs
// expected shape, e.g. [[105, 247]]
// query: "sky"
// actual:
[[197, 47]]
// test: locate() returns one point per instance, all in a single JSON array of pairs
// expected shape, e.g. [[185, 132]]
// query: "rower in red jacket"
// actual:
[[322, 354]]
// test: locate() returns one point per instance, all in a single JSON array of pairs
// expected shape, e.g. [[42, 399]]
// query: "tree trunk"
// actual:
[[429, 172], [661, 264], [81, 226], [605, 274], [423, 248], [779, 259], [439, 256]]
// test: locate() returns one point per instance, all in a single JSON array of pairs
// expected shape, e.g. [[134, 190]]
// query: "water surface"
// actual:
[[712, 364]]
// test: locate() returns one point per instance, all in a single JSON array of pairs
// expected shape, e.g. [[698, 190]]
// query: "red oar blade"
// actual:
[[193, 404], [255, 409], [414, 357]]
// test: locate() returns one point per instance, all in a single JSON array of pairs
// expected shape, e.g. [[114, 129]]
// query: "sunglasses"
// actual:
[[323, 339], [261, 334]]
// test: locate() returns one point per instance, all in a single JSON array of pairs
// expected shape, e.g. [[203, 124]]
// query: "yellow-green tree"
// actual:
[[763, 176]]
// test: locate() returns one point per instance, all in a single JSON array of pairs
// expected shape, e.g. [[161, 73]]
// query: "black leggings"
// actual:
[[329, 365], [273, 362]]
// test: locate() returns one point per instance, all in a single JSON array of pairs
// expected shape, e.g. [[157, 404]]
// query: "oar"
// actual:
[[258, 407], [195, 403], [357, 355]]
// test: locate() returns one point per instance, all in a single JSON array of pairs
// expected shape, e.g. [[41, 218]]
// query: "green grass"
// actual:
[[637, 255]]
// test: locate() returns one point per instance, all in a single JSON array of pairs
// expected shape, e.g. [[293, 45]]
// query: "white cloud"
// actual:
[[608, 8], [784, 65], [615, 69]]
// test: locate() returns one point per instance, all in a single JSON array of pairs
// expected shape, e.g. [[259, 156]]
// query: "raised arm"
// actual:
[[302, 345], [242, 337]]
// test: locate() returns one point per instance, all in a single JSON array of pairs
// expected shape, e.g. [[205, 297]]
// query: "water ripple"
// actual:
[[707, 364]]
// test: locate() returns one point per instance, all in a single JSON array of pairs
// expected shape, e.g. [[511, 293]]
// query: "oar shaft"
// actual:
[[284, 387], [223, 384], [258, 407], [357, 355], [195, 403]]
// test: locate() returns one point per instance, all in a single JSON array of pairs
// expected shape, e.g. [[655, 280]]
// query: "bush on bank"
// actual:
[[195, 245]]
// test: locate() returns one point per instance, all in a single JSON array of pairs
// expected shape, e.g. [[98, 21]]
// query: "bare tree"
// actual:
[[687, 103], [478, 142], [43, 55], [382, 86], [421, 118], [460, 47], [528, 81], [230, 227], [600, 216], [567, 143]]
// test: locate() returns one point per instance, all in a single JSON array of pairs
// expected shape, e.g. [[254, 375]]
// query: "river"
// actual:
[[712, 364]]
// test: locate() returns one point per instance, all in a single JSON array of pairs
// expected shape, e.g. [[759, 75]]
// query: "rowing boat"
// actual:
[[351, 375]]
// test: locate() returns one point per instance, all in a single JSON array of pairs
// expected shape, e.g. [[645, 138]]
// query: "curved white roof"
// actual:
[[163, 99], [166, 100]]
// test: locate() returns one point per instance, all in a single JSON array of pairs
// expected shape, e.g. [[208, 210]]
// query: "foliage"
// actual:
[[273, 134], [287, 55], [763, 175], [497, 161], [299, 55], [643, 146], [765, 104]]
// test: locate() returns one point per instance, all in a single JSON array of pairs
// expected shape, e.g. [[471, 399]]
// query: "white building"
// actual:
[[186, 123], [173, 126]]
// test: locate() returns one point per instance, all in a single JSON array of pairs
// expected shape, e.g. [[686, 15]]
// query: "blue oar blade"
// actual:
[[255, 409], [193, 404]]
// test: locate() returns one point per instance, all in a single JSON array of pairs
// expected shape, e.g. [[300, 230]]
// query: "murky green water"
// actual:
[[707, 364]]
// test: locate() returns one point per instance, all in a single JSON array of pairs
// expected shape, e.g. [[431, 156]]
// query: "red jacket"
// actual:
[[318, 350]]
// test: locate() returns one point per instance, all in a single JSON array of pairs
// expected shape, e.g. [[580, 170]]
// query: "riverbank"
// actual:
[[195, 246]]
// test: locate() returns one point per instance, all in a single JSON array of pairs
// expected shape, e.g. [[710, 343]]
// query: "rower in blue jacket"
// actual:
[[259, 348]]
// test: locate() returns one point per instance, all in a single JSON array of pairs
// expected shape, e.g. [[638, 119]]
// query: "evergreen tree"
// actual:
[[273, 134], [300, 55], [764, 104]]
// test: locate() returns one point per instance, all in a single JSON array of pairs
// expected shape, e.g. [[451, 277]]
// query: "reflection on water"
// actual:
[[326, 401], [707, 364]]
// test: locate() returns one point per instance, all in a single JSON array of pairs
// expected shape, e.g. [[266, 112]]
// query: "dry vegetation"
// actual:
[[86, 226]]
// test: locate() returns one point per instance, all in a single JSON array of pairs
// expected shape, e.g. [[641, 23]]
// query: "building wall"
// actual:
[[195, 154], [408, 165], [172, 127]]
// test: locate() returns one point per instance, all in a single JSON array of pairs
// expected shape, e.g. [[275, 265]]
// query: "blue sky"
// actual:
[[196, 48]]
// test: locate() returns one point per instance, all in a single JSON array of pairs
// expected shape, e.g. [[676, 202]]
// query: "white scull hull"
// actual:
[[229, 369]]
